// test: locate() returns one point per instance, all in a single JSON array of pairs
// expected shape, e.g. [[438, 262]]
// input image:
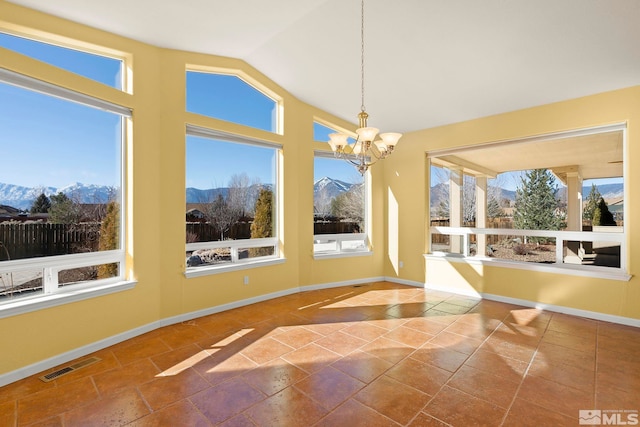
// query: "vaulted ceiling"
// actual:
[[428, 62]]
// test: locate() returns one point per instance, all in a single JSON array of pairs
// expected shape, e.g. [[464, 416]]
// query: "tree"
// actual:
[[41, 205], [593, 200], [494, 194], [262, 225], [349, 206], [222, 215], [602, 215], [64, 210], [536, 206], [109, 238], [243, 192]]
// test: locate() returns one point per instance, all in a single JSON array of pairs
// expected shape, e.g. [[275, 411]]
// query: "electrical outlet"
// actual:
[[246, 280], [401, 264]]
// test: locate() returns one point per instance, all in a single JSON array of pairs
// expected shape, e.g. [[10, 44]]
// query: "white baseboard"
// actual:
[[404, 282], [341, 283]]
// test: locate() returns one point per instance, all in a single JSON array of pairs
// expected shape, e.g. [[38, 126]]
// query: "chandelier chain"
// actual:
[[362, 108]]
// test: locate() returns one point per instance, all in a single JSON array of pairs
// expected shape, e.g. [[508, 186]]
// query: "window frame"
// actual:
[[236, 263], [277, 121], [54, 293], [57, 41], [562, 236], [341, 238]]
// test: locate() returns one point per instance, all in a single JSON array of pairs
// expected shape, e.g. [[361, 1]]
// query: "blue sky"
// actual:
[[60, 142]]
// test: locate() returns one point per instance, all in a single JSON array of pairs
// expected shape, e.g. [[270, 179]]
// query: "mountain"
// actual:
[[610, 192], [197, 195], [329, 187], [325, 190], [22, 197]]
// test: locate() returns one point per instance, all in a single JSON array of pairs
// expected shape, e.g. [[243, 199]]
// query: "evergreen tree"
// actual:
[[262, 225], [109, 237], [593, 200], [41, 205], [536, 202], [64, 210], [602, 215]]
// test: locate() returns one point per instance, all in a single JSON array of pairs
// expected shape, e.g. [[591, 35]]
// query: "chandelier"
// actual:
[[366, 150]]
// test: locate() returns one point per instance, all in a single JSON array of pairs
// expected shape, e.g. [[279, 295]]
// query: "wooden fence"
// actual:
[[29, 240], [205, 232], [500, 222]]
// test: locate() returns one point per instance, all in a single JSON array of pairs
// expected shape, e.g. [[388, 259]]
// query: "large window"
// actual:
[[100, 68], [231, 193], [339, 207], [61, 224], [555, 201]]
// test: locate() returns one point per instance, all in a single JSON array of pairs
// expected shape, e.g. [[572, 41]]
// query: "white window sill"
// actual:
[[568, 269], [72, 293], [206, 271], [343, 254]]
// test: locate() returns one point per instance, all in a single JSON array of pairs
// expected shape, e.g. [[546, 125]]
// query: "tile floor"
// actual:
[[375, 355]]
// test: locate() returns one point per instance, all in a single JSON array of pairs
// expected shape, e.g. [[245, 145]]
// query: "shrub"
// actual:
[[109, 236], [520, 249]]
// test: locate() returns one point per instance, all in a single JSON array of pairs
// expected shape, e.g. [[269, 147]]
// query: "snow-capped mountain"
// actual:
[[22, 197], [329, 187]]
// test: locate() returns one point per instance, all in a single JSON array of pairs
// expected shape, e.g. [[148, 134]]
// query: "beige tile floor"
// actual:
[[376, 355]]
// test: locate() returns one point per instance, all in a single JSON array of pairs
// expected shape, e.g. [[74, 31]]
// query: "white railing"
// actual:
[[235, 246], [561, 237], [48, 268], [340, 243]]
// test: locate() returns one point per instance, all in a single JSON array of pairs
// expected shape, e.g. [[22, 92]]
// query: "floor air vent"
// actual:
[[63, 371]]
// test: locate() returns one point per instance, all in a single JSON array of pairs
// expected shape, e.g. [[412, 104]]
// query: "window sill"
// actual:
[[329, 255], [206, 271], [78, 293], [572, 270]]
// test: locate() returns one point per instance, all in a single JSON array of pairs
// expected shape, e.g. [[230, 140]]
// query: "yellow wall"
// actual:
[[157, 182], [406, 178]]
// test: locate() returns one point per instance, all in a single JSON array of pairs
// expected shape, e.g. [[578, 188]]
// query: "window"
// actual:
[[106, 70], [61, 204], [555, 200], [231, 193], [228, 97], [339, 207], [321, 132]]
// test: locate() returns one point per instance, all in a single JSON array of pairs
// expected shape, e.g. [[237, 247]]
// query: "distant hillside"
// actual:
[[22, 198], [325, 190], [610, 192]]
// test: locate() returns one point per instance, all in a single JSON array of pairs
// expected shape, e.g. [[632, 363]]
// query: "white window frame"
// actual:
[[613, 273], [52, 293], [342, 250], [236, 263]]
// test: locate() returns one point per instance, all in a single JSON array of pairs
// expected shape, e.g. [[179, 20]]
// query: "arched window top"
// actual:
[[103, 69], [231, 98]]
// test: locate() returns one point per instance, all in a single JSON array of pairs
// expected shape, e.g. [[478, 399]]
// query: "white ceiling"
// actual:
[[594, 155], [428, 62]]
